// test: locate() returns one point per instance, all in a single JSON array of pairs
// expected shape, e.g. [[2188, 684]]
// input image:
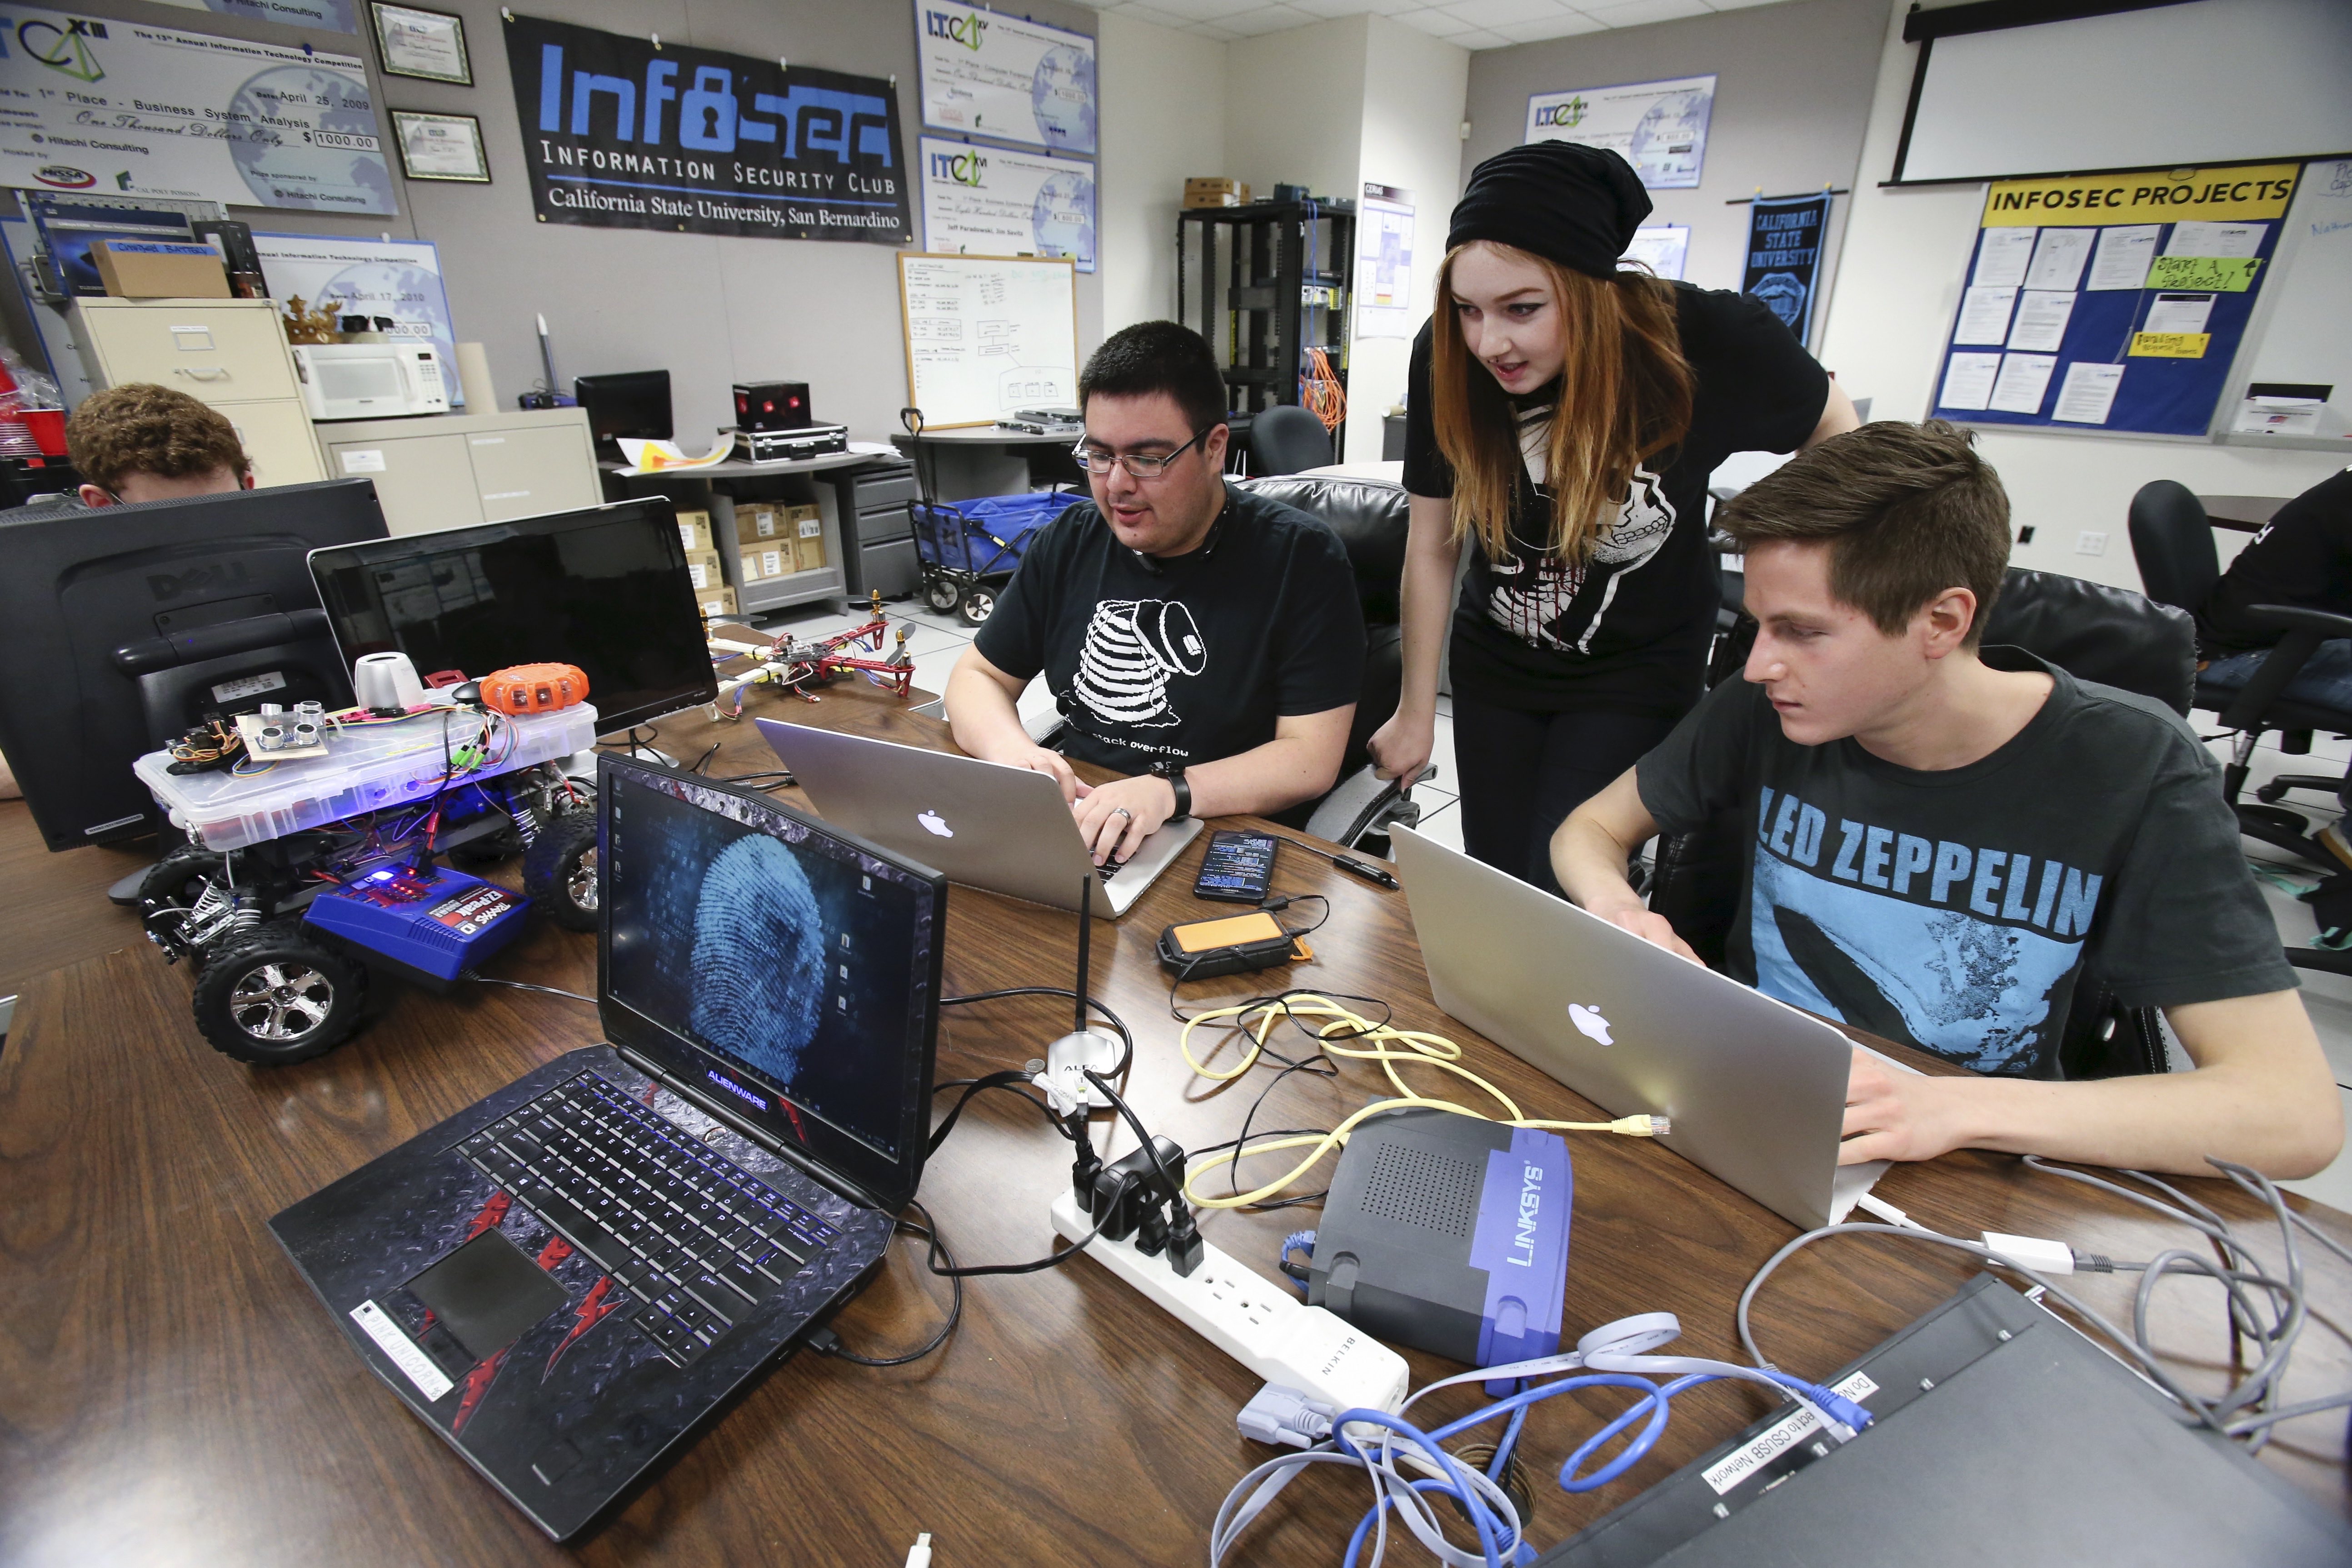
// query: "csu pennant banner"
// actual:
[[619, 134], [1784, 257]]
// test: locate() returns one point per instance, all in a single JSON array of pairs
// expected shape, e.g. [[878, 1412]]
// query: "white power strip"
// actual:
[[1274, 1333]]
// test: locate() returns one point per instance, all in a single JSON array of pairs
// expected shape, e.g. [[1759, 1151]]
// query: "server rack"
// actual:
[[1265, 284]]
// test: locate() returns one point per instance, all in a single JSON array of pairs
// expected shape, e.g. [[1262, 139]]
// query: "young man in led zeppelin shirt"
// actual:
[[1944, 836], [1202, 640]]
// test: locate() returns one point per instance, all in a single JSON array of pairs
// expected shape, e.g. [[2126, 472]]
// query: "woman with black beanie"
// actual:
[[1562, 418]]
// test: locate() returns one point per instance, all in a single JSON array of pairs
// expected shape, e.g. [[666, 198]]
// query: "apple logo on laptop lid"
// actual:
[[935, 823], [1589, 1023]]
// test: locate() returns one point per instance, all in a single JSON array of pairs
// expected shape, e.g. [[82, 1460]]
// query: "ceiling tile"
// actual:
[[1634, 12], [1568, 23], [1205, 10], [1479, 38], [1266, 19], [1154, 14], [1495, 14], [1436, 23]]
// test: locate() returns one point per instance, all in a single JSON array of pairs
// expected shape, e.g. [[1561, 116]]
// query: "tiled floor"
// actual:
[[938, 641]]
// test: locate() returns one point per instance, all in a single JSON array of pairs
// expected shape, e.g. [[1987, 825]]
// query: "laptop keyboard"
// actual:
[[698, 1239]]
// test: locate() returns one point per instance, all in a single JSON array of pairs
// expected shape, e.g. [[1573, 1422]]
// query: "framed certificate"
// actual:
[[427, 44], [441, 147]]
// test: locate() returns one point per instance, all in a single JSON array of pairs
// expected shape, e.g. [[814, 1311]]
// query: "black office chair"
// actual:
[[2110, 635], [1287, 439], [2172, 541], [1370, 516]]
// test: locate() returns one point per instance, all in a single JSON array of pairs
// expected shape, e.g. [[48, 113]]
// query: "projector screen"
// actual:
[[2207, 82]]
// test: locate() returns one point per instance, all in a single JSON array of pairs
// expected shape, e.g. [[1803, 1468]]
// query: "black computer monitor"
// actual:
[[606, 589], [123, 626], [635, 404]]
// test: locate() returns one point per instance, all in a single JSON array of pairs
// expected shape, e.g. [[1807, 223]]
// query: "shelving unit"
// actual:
[[1264, 284]]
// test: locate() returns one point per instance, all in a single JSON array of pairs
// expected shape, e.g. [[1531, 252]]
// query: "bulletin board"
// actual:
[[988, 335], [2112, 303]]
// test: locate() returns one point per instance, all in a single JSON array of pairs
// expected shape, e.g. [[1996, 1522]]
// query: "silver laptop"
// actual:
[[1756, 1089], [985, 824]]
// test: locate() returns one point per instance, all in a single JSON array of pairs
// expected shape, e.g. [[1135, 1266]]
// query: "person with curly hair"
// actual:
[[140, 442]]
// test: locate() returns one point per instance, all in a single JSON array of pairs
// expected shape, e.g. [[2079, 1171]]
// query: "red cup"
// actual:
[[48, 428]]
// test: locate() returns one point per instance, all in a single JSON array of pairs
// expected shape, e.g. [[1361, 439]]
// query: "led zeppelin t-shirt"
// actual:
[[1954, 910]]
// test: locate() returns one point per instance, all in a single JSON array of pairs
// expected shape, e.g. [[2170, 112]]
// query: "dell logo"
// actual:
[[1589, 1023], [167, 586], [935, 823]]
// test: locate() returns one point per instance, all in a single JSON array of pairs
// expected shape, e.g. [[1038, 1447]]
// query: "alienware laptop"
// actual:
[[1755, 1089], [568, 1278], [987, 825]]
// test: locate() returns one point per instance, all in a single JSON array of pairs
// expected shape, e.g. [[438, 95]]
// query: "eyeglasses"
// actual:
[[1139, 464]]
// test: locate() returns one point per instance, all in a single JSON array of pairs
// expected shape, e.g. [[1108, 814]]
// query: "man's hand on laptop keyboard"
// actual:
[[1116, 818]]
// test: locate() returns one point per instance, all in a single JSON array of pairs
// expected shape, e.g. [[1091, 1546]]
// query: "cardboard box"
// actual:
[[702, 569], [776, 559], [808, 550], [747, 566], [755, 521], [694, 527], [160, 269], [1215, 191], [719, 601]]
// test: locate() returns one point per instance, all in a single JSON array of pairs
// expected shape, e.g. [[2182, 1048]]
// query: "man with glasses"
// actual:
[[1203, 641]]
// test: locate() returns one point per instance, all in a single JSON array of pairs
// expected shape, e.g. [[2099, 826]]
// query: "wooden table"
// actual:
[[171, 1391], [2242, 514]]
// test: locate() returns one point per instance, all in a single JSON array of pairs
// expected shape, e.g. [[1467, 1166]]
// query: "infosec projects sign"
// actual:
[[618, 133], [117, 108]]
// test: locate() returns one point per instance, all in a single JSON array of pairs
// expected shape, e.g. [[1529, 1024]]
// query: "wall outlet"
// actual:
[[2089, 542]]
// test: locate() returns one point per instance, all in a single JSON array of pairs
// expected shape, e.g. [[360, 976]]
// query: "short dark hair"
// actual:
[[1158, 357], [1908, 511], [142, 428]]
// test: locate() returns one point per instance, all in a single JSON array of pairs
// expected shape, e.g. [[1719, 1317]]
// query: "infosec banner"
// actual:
[[1784, 257], [620, 134], [119, 108]]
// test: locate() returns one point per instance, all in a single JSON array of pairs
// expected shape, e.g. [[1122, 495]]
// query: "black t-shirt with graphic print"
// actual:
[[1628, 631], [1193, 662], [1954, 910]]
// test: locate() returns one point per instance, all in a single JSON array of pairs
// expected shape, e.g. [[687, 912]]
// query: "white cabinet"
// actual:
[[446, 471], [230, 353]]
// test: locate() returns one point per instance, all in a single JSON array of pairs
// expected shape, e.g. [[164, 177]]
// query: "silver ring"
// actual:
[[1122, 811]]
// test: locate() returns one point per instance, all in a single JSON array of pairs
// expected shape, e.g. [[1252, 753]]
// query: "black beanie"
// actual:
[[1576, 205]]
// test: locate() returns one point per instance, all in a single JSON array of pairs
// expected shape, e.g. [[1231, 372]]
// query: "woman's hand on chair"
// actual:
[[1401, 747]]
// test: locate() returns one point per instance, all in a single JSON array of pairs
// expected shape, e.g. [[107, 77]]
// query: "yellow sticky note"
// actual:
[[2212, 274], [2169, 345]]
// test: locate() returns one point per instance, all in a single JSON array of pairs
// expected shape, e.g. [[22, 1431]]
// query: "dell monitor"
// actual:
[[120, 627], [604, 589], [635, 404]]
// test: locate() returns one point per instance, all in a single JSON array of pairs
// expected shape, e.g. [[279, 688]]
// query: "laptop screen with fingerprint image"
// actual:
[[795, 963]]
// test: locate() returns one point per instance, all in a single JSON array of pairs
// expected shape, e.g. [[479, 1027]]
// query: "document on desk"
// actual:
[[1984, 315], [2002, 257], [2058, 259], [2042, 317], [2088, 393], [2023, 381], [1967, 380], [2123, 256]]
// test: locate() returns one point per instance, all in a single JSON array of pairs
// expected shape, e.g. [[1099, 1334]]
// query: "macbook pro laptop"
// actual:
[[1755, 1089], [988, 825], [567, 1278]]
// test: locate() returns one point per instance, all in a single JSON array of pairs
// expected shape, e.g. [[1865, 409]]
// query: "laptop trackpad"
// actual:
[[487, 1292]]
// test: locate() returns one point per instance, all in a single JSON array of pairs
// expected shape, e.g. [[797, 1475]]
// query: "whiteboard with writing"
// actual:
[[988, 335], [2306, 333]]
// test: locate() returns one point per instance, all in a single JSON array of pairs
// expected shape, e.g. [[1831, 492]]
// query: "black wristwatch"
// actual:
[[1174, 773]]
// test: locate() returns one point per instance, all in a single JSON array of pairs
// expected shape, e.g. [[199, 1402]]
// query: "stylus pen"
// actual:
[[1347, 863]]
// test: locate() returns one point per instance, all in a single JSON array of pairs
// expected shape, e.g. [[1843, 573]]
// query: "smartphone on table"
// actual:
[[1238, 867]]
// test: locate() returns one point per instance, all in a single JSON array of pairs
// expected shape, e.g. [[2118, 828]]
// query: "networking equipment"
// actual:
[[1448, 1233]]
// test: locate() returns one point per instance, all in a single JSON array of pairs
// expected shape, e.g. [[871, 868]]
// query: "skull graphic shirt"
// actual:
[[1627, 628], [1187, 659]]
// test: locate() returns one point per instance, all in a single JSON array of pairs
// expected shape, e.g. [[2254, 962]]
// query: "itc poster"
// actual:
[[619, 134], [330, 15], [1659, 127], [122, 107], [1784, 257], [989, 200], [987, 73], [399, 279]]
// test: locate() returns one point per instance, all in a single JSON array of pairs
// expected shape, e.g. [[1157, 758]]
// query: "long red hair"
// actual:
[[1624, 396]]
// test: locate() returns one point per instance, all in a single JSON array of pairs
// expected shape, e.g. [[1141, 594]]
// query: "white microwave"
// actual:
[[371, 380]]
